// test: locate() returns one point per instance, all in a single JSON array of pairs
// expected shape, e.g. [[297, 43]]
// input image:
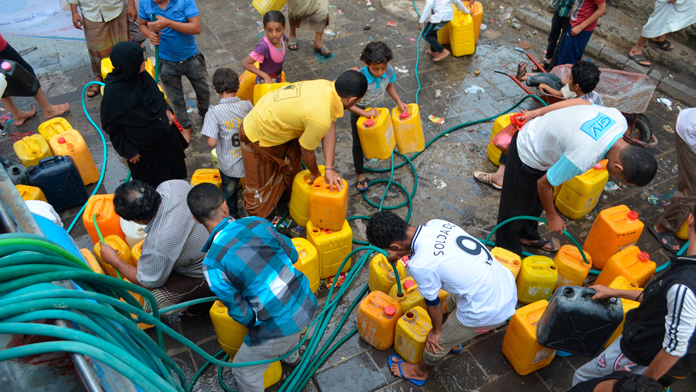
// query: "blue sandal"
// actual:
[[394, 359], [457, 351]]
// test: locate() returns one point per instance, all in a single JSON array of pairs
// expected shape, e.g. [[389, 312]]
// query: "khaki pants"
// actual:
[[453, 333], [685, 197]]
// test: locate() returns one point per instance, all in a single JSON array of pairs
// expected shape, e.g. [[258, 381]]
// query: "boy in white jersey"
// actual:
[[552, 149], [443, 256]]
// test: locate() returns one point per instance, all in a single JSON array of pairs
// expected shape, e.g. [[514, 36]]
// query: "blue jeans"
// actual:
[[547, 78], [430, 35], [229, 190], [573, 47], [195, 70]]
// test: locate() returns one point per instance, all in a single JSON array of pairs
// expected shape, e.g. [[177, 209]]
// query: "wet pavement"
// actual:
[[446, 188]]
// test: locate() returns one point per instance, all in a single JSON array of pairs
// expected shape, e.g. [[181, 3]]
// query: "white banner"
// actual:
[[38, 18]]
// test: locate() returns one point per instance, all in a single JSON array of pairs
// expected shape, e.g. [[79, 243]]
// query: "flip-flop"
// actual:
[[487, 179], [665, 239], [92, 91], [541, 243], [362, 185], [324, 51], [640, 59], [543, 64], [664, 45], [395, 359], [457, 351], [292, 43], [521, 70]]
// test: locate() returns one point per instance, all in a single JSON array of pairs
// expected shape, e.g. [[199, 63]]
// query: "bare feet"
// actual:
[[56, 110], [410, 371], [429, 53], [186, 132], [441, 55], [23, 117]]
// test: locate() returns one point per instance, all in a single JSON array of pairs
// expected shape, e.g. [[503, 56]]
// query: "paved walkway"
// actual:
[[445, 185]]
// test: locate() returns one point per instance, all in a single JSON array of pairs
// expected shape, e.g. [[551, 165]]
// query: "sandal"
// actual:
[[457, 351], [521, 70], [666, 239], [664, 45], [324, 51], [487, 178], [92, 91], [362, 185], [544, 64], [640, 59], [394, 359], [292, 43], [541, 243]]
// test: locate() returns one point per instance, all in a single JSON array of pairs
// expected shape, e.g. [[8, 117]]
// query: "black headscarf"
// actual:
[[130, 96]]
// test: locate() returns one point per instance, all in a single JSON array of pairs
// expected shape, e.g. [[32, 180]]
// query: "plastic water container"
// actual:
[[622, 283], [60, 181], [377, 135], [137, 251], [206, 175], [31, 149], [328, 206], [411, 330], [53, 127], [408, 129], [510, 260], [381, 277], [122, 250], [580, 194], [107, 67], [72, 144], [572, 269], [477, 16], [575, 323], [462, 37], [377, 317], [520, 345], [134, 232], [410, 296], [537, 279], [443, 296], [299, 198], [15, 171], [29, 192], [332, 246], [308, 261], [263, 6], [247, 81], [231, 335], [20, 82], [683, 233], [213, 155], [615, 228], [107, 219], [493, 151], [630, 263], [92, 261], [262, 89]]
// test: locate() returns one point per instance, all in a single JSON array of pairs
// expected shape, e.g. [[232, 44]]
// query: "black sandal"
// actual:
[[666, 239], [541, 243], [521, 70], [362, 185], [664, 45]]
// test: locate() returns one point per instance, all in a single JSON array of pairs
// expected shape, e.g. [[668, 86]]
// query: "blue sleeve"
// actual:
[[562, 171], [143, 10], [392, 79], [237, 307], [287, 246], [190, 9]]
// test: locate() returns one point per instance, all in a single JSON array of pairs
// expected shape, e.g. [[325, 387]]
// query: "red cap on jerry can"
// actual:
[[61, 140], [6, 66], [643, 256], [632, 215], [389, 311], [408, 284], [598, 166], [369, 122], [404, 115]]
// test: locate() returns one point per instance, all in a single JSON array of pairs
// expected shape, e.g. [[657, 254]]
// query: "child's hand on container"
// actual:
[[371, 113], [403, 106]]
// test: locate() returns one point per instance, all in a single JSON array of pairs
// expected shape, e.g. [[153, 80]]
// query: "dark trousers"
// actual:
[[229, 190], [518, 197], [559, 28], [430, 35], [358, 157], [573, 47], [548, 78], [685, 196], [195, 70]]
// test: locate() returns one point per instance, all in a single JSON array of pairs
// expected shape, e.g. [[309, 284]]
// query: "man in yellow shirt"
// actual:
[[287, 124]]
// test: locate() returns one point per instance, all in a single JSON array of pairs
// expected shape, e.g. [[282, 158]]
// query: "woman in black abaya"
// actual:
[[139, 121]]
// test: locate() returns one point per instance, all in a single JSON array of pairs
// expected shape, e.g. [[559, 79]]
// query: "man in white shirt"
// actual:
[[552, 149], [443, 256]]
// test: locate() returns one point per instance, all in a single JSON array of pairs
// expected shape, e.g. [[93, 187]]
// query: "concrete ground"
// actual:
[[446, 188]]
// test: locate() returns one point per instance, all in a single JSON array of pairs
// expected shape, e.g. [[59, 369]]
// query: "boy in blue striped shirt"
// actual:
[[249, 266]]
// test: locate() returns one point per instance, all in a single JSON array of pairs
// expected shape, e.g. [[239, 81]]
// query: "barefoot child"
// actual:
[[380, 78], [270, 52], [437, 13], [221, 125]]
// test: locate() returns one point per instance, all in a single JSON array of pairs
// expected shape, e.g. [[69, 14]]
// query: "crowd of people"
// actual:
[[199, 243]]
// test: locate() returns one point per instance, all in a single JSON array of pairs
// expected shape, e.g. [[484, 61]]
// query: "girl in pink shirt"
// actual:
[[270, 52]]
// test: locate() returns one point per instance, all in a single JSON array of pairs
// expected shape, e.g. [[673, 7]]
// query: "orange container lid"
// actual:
[[389, 311], [408, 284], [632, 215], [598, 166], [643, 256], [369, 122]]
